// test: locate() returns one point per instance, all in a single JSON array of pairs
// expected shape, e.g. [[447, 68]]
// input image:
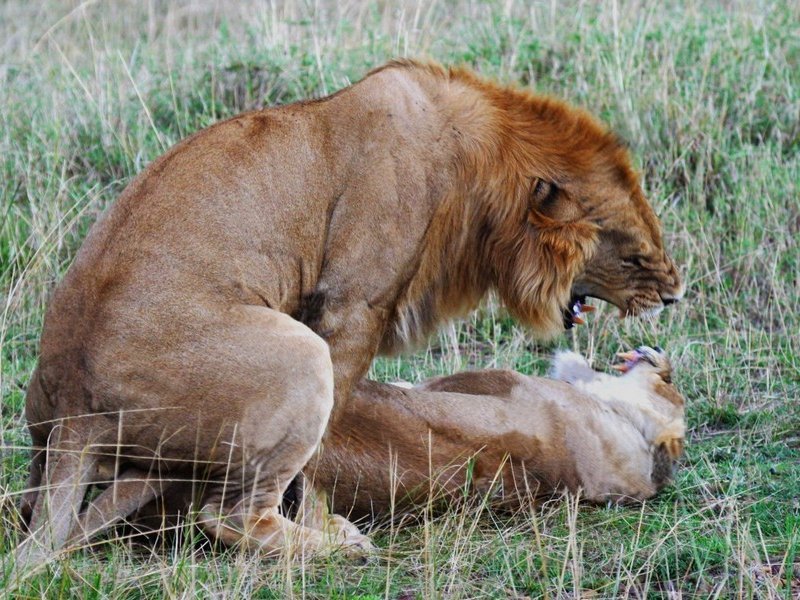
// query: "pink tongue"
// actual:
[[631, 358]]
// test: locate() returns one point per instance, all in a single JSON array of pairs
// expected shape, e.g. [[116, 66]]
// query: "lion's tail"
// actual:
[[70, 467]]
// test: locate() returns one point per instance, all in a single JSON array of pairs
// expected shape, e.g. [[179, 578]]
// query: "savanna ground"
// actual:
[[707, 94]]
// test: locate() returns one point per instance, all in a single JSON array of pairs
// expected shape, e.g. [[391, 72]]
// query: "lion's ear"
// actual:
[[547, 199]]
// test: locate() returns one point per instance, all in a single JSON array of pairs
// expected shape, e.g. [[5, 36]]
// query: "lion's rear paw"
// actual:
[[346, 536]]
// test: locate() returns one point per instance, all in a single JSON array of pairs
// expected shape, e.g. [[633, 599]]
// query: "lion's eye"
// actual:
[[633, 261]]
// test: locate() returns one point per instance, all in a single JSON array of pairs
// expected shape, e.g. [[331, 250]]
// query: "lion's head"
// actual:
[[545, 209], [565, 216], [601, 230], [630, 267]]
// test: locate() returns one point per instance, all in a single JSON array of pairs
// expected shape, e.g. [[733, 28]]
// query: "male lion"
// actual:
[[242, 284]]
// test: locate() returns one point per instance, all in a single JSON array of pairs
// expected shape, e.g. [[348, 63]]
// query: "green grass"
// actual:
[[707, 95]]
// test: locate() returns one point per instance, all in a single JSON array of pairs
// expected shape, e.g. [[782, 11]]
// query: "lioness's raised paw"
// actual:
[[672, 439]]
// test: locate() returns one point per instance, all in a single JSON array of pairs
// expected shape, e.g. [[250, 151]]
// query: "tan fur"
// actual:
[[247, 278], [502, 432]]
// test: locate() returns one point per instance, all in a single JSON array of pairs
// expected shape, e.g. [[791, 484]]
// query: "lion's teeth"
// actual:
[[579, 310]]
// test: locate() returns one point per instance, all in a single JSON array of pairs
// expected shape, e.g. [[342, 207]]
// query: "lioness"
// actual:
[[239, 288], [613, 438]]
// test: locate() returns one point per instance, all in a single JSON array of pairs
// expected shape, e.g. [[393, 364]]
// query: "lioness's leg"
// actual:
[[283, 381]]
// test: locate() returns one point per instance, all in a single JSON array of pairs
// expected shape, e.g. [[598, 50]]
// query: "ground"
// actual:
[[708, 96]]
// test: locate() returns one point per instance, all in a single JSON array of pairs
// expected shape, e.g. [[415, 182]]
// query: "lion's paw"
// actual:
[[343, 534]]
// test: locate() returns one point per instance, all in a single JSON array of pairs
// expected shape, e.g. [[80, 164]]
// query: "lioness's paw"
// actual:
[[571, 367], [674, 447], [672, 439]]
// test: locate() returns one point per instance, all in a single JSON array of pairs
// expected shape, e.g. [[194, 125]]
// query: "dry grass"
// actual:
[[708, 95]]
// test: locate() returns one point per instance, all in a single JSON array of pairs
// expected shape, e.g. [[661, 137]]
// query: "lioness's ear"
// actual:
[[547, 199]]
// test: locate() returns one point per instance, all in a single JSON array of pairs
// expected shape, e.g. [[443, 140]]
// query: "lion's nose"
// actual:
[[673, 297]]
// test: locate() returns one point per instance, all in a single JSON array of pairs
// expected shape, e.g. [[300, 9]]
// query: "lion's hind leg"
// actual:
[[315, 532], [282, 382]]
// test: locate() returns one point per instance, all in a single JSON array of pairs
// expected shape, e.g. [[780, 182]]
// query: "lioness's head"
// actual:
[[652, 368], [653, 365]]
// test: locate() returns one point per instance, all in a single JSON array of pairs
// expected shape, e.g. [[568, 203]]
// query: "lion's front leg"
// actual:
[[353, 333]]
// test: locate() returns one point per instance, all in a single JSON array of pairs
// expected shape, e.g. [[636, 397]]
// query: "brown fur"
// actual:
[[492, 434], [371, 216], [499, 432]]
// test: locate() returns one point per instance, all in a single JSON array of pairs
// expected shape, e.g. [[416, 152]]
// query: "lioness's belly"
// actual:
[[394, 447]]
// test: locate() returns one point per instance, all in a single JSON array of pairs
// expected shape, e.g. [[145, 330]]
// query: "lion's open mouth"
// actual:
[[630, 359], [575, 311]]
